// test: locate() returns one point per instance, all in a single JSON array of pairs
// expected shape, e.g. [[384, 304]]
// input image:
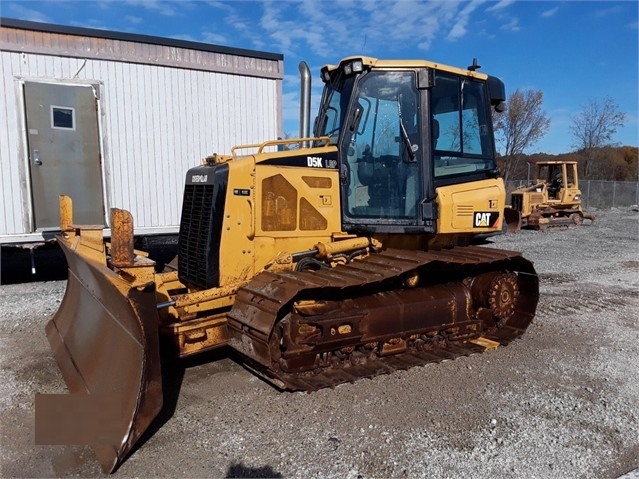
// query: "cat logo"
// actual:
[[485, 219]]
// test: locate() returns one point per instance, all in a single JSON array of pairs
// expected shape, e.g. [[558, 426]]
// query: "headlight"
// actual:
[[355, 66], [577, 198]]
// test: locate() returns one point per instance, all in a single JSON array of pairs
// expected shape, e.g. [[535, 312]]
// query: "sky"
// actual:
[[572, 51]]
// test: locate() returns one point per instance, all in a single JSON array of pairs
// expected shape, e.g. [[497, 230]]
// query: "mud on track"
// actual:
[[560, 402]]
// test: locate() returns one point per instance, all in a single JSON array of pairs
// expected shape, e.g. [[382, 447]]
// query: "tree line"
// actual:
[[524, 123]]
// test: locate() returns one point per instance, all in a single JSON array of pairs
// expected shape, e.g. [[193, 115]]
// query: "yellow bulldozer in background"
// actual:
[[554, 198], [346, 257]]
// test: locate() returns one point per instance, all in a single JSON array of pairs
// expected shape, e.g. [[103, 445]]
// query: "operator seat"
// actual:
[[555, 185]]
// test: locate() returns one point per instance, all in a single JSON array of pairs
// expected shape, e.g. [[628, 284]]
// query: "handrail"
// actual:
[[285, 141]]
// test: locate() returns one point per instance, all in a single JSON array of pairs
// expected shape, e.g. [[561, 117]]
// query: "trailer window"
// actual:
[[62, 118]]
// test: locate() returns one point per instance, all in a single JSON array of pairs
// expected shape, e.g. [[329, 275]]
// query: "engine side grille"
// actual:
[[193, 244], [464, 210], [537, 198]]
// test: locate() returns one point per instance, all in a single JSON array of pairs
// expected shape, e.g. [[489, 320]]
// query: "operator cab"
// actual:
[[403, 129]]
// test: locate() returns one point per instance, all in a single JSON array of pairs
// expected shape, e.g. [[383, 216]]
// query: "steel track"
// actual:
[[262, 305]]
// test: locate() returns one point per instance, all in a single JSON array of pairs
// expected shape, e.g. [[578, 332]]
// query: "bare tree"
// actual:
[[520, 126], [594, 126]]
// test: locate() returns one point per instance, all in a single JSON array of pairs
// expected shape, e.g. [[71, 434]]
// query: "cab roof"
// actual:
[[377, 63]]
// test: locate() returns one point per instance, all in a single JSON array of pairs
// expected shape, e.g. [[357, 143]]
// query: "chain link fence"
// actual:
[[598, 194]]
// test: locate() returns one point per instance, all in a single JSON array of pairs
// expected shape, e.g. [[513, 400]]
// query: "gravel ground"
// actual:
[[562, 402]]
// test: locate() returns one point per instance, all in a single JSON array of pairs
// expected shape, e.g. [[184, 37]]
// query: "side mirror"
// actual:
[[500, 107]]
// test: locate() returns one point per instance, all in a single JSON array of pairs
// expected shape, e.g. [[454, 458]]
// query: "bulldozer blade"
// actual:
[[105, 340], [512, 218]]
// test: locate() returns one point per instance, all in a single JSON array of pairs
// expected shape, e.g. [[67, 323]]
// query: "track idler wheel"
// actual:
[[497, 292]]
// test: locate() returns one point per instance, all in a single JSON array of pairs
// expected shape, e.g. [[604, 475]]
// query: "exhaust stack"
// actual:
[[305, 102]]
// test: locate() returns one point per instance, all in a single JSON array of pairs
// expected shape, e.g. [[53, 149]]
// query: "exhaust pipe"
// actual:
[[305, 103]]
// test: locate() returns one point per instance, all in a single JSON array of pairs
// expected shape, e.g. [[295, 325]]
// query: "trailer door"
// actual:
[[64, 152]]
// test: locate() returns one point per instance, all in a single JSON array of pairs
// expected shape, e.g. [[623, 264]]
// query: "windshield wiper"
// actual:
[[409, 146], [404, 134], [402, 130]]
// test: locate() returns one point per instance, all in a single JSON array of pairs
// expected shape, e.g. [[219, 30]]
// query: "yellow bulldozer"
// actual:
[[335, 256], [553, 199]]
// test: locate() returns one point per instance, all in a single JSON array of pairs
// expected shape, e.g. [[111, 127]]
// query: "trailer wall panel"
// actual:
[[161, 109]]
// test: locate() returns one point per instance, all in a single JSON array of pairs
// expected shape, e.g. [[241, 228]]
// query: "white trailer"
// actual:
[[116, 119]]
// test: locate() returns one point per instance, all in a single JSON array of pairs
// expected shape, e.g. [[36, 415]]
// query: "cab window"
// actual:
[[460, 127], [383, 174]]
